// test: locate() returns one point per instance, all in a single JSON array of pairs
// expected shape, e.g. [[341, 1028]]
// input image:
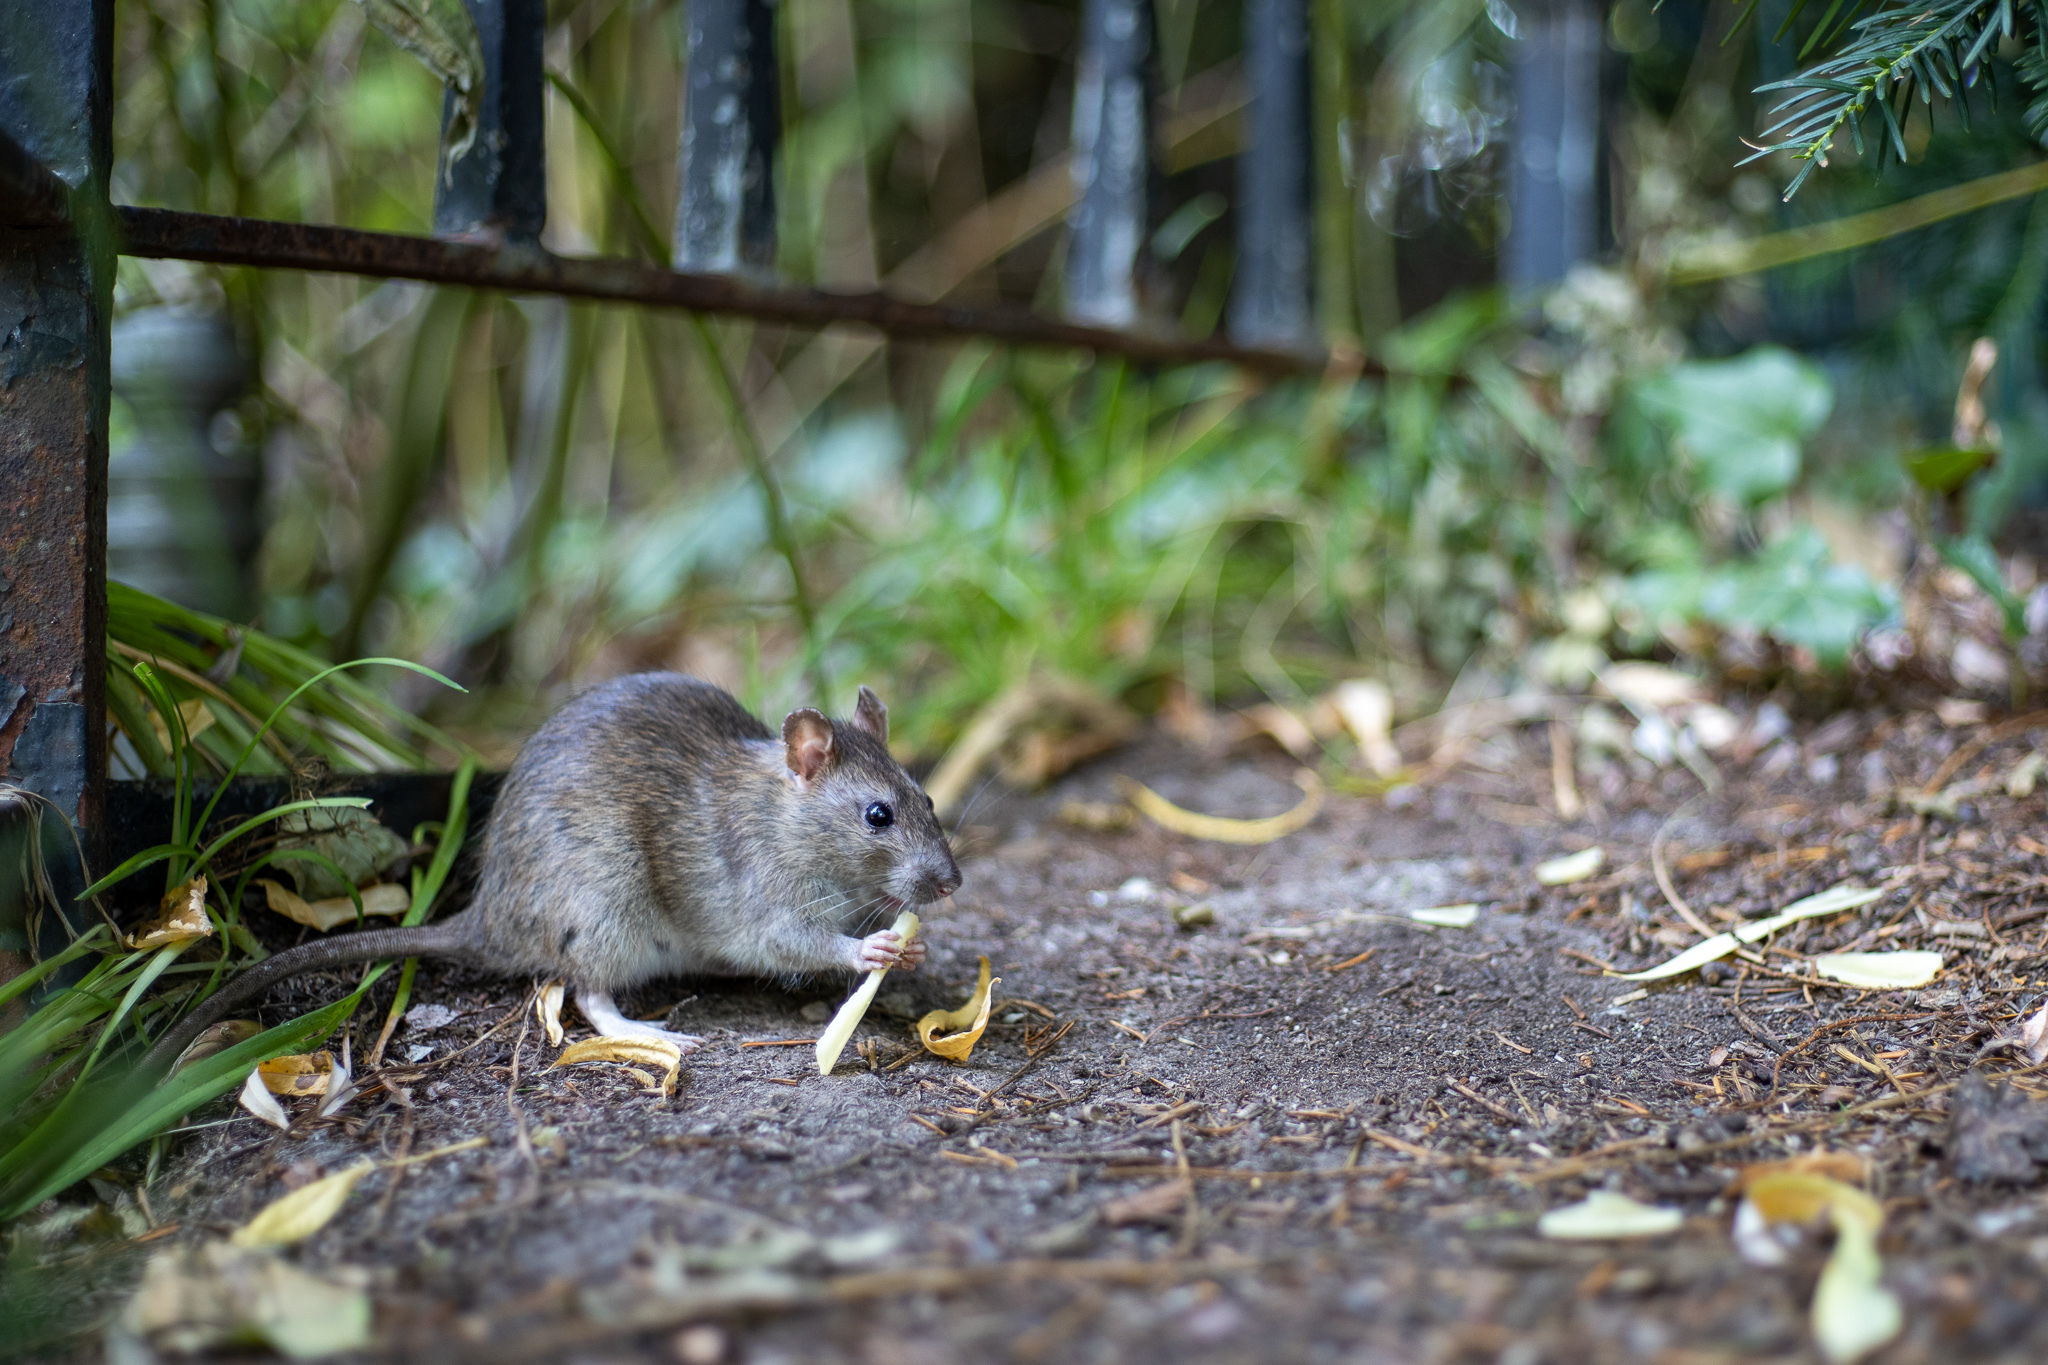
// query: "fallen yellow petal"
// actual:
[[1603, 1214], [1222, 829], [298, 1215], [181, 917], [1853, 1313], [963, 1026], [1573, 867], [305, 1073], [548, 1005], [645, 1051], [382, 899], [1898, 971], [833, 1040]]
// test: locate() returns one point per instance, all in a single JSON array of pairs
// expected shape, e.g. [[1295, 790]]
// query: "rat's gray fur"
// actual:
[[653, 827]]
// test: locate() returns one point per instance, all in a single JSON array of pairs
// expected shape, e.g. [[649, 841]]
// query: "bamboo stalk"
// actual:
[[1775, 249]]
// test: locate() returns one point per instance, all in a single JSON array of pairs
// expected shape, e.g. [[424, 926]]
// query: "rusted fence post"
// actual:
[[732, 119], [56, 283], [497, 190], [1270, 300], [1112, 163]]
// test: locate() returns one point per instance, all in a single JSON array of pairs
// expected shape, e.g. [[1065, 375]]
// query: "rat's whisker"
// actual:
[[967, 810]]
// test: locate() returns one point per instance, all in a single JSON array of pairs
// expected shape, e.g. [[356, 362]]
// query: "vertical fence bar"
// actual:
[[56, 293], [1553, 189], [1112, 162], [732, 119], [497, 190], [1270, 300]]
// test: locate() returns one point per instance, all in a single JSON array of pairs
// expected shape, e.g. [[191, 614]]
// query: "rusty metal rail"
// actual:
[[520, 268]]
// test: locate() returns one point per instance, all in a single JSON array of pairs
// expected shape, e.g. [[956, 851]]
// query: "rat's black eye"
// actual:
[[878, 815]]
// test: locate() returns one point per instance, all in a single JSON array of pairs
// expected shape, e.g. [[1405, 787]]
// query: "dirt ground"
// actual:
[[1294, 1125]]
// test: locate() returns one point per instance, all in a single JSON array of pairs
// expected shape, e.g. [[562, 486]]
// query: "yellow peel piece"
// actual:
[[1573, 867], [305, 1073], [257, 1099], [547, 1004], [1222, 829], [963, 1027], [296, 1216], [181, 917], [1853, 1313], [658, 1052], [1900, 971], [839, 1032], [1832, 901], [1603, 1214]]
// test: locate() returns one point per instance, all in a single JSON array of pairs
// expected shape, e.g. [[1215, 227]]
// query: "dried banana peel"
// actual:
[[833, 1040], [1222, 829], [962, 1027], [657, 1052]]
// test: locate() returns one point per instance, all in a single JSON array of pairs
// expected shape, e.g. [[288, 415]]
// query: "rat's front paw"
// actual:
[[885, 950]]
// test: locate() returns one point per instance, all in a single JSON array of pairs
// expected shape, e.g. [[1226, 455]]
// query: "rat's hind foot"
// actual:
[[603, 1013]]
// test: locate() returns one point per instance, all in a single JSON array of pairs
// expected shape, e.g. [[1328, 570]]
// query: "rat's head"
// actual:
[[862, 811]]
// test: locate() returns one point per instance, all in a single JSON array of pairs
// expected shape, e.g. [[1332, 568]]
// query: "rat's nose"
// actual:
[[940, 882]]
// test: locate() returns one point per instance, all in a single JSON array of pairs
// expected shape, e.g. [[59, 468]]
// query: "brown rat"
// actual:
[[653, 827]]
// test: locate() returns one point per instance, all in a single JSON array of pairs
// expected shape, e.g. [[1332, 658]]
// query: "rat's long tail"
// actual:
[[453, 937]]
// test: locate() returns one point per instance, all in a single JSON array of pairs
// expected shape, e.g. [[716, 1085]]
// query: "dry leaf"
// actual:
[[1605, 1214], [833, 1040], [1832, 901], [298, 1215], [963, 1026], [197, 716], [1367, 710], [305, 1073], [181, 917], [1221, 829], [1897, 971], [383, 899], [257, 1099], [548, 1006], [657, 1052], [1853, 1313], [1447, 916], [1573, 867]]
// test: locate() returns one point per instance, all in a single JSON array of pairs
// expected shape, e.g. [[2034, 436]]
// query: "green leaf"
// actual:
[[1945, 469], [1795, 593], [1742, 420], [349, 841]]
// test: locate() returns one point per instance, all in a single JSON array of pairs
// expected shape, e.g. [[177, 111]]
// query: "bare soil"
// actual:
[[1301, 1128]]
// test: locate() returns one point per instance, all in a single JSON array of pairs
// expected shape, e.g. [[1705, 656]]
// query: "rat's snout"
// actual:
[[937, 878]]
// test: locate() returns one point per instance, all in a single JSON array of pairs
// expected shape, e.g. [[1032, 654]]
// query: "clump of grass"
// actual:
[[71, 1099]]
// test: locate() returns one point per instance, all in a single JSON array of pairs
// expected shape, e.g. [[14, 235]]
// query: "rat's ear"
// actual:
[[870, 715], [808, 736]]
